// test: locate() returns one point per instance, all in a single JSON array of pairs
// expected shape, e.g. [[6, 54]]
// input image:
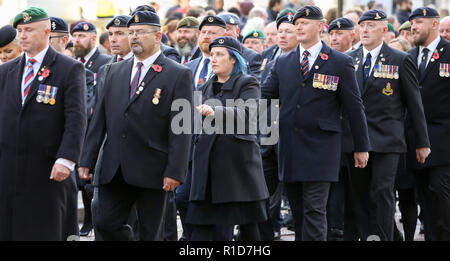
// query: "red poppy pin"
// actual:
[[157, 68], [201, 81], [44, 73], [324, 56], [436, 55]]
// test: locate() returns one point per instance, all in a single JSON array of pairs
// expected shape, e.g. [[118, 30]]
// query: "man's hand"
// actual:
[[59, 172], [84, 174], [170, 184], [205, 110], [422, 154], [361, 159]]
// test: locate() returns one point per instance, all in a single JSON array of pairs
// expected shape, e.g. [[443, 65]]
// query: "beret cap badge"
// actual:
[[424, 12], [338, 24], [377, 16], [255, 34], [232, 20], [221, 41], [136, 18], [86, 27], [307, 12], [26, 17], [117, 21], [210, 19], [53, 26]]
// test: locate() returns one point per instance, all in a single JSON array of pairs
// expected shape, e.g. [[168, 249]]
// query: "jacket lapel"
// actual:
[[317, 63], [360, 71], [147, 79], [17, 72], [432, 62], [90, 63]]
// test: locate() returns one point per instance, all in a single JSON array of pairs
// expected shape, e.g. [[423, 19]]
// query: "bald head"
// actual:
[[444, 28]]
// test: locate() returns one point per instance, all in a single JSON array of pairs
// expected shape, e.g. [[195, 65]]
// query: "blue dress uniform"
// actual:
[[390, 90], [34, 132], [433, 179], [310, 127]]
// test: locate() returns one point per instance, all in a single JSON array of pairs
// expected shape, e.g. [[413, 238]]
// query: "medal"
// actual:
[[47, 94], [325, 85], [396, 75], [52, 100], [156, 96], [40, 95], [442, 70], [315, 81], [447, 70], [155, 101]]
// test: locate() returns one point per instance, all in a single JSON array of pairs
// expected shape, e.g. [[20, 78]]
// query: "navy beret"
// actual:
[[309, 12], [228, 42], [143, 8], [58, 25], [118, 21], [7, 35], [212, 20], [341, 23], [373, 15], [424, 12], [83, 27], [285, 19], [144, 17], [230, 18]]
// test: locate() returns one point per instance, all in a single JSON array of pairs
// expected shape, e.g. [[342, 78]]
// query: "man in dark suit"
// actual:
[[254, 59], [42, 126], [432, 56], [388, 85], [142, 160], [312, 92]]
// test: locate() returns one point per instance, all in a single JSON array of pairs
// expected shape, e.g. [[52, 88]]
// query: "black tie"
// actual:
[[423, 63], [367, 65]]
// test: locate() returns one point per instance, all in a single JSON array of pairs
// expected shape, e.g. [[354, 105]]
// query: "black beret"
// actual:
[[228, 42], [309, 12], [143, 8], [341, 24], [118, 21], [284, 19], [212, 20], [424, 12], [230, 18], [144, 17], [83, 27], [373, 15], [58, 25], [7, 35]]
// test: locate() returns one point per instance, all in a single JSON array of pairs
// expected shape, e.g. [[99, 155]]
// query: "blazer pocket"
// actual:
[[51, 152], [329, 126], [246, 137], [157, 146]]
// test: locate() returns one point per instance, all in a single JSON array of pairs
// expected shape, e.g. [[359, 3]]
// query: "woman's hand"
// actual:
[[205, 110]]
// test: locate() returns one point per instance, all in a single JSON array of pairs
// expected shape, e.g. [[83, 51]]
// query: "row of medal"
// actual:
[[47, 94], [444, 70], [385, 71], [325, 82]]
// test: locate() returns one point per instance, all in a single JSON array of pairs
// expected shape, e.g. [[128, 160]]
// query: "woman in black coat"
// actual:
[[228, 185]]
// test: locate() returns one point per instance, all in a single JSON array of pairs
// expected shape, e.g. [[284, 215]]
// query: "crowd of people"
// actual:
[[359, 102]]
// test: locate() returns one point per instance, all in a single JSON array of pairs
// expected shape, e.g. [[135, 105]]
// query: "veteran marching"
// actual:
[[356, 116]]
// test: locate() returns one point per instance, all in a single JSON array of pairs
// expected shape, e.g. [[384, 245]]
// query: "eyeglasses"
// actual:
[[139, 33]]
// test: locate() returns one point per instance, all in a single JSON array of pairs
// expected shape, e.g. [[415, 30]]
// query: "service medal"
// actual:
[[155, 101]]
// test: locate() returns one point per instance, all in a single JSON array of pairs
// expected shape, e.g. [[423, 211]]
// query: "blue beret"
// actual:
[[144, 17], [118, 21], [7, 35], [230, 18], [285, 19], [83, 27], [341, 24], [424, 12], [228, 42], [212, 20], [373, 15], [309, 12], [58, 25], [143, 8]]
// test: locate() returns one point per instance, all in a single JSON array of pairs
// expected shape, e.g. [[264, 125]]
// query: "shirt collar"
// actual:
[[313, 50], [432, 46], [149, 61], [89, 55], [374, 53], [127, 56], [39, 57], [357, 45]]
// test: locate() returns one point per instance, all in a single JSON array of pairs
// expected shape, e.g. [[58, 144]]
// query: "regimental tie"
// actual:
[[29, 77], [135, 83], [423, 63], [203, 73], [305, 63], [82, 60], [367, 65]]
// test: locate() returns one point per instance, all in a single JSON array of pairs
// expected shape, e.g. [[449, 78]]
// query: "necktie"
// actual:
[[367, 65], [203, 73], [29, 77], [305, 64], [119, 59], [423, 62], [82, 60], [135, 82]]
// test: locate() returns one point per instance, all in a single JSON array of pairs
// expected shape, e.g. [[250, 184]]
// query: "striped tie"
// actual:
[[29, 77], [305, 64], [135, 82]]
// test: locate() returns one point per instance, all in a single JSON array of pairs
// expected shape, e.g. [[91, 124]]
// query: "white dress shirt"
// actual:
[[147, 64], [374, 53], [88, 56], [313, 53], [431, 47]]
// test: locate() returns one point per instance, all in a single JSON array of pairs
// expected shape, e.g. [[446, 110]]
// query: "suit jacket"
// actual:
[[435, 93], [270, 52], [145, 150], [310, 118], [386, 112], [96, 61], [232, 162], [254, 62], [32, 137], [170, 53]]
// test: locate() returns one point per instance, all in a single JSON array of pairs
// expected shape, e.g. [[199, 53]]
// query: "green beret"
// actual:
[[391, 28], [254, 34], [30, 15], [188, 22], [286, 12]]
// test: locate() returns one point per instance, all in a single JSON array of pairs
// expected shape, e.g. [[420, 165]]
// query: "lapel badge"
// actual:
[[388, 90], [316, 67]]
